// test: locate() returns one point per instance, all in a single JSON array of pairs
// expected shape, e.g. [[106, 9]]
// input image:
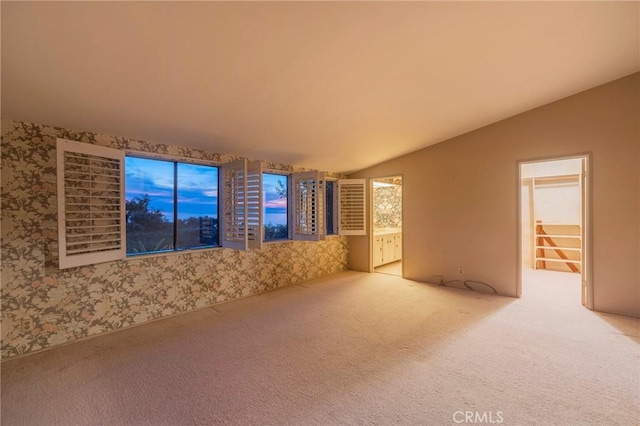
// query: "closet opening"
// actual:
[[554, 249]]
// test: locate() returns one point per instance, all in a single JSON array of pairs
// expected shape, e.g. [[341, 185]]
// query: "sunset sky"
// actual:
[[197, 189]]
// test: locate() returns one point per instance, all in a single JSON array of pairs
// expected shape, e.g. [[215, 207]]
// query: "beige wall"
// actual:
[[460, 195]]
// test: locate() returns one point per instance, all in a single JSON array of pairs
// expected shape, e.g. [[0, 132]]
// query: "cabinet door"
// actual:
[[388, 249], [398, 247], [377, 251]]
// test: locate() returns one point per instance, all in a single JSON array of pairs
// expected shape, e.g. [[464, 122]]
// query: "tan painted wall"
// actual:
[[460, 195]]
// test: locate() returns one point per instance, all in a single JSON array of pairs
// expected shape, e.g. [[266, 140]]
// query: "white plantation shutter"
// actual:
[[254, 205], [91, 208], [352, 211], [308, 206], [233, 226], [241, 205]]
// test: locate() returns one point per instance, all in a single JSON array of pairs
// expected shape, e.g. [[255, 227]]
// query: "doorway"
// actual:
[[386, 225], [553, 230]]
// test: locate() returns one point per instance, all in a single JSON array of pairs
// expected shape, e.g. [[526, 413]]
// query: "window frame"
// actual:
[[335, 203], [289, 210], [175, 161]]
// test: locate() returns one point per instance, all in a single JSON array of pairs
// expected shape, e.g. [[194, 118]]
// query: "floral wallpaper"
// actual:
[[43, 306], [387, 207]]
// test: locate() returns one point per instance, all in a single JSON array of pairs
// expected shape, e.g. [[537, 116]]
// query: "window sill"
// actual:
[[171, 253], [284, 240]]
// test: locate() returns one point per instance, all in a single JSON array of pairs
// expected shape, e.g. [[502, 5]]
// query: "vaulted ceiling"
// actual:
[[336, 86]]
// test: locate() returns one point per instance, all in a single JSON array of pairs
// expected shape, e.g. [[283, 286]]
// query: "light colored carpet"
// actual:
[[394, 268], [352, 348], [544, 286]]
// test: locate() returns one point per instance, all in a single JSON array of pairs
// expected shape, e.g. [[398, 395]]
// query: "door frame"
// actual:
[[587, 223], [371, 236]]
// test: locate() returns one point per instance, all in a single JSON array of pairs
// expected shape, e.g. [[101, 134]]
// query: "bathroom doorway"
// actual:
[[553, 231], [387, 225]]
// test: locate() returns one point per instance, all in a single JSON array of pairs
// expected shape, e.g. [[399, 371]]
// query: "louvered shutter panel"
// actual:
[[308, 206], [233, 226], [254, 205], [352, 210], [91, 207]]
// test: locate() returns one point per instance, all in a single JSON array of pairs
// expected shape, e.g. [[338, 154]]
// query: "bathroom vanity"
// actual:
[[387, 245]]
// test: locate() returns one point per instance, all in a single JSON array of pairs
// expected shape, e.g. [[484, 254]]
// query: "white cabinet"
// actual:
[[377, 250], [398, 246], [387, 248]]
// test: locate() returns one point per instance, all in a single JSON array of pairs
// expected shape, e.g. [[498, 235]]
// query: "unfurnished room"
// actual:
[[320, 213]]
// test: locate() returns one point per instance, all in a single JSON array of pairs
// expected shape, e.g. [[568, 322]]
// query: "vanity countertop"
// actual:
[[387, 231]]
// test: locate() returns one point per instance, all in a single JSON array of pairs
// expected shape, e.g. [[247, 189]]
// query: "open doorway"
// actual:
[[553, 230], [387, 225]]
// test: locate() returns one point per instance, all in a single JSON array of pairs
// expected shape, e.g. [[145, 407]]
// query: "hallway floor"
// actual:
[[561, 287], [394, 268]]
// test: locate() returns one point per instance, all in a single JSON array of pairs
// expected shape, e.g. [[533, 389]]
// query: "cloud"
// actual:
[[159, 174], [277, 203], [149, 173], [198, 177], [197, 184], [197, 187]]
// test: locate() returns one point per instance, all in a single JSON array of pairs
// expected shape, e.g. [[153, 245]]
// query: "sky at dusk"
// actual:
[[275, 207], [197, 189]]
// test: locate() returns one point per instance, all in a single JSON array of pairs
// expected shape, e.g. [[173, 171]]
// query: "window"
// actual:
[[330, 204], [170, 205], [111, 205], [275, 206], [197, 205], [324, 207]]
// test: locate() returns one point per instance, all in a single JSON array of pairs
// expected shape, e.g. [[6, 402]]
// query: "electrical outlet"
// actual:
[[26, 324], [460, 271]]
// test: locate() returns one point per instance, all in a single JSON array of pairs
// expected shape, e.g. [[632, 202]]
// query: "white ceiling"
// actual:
[[328, 85]]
